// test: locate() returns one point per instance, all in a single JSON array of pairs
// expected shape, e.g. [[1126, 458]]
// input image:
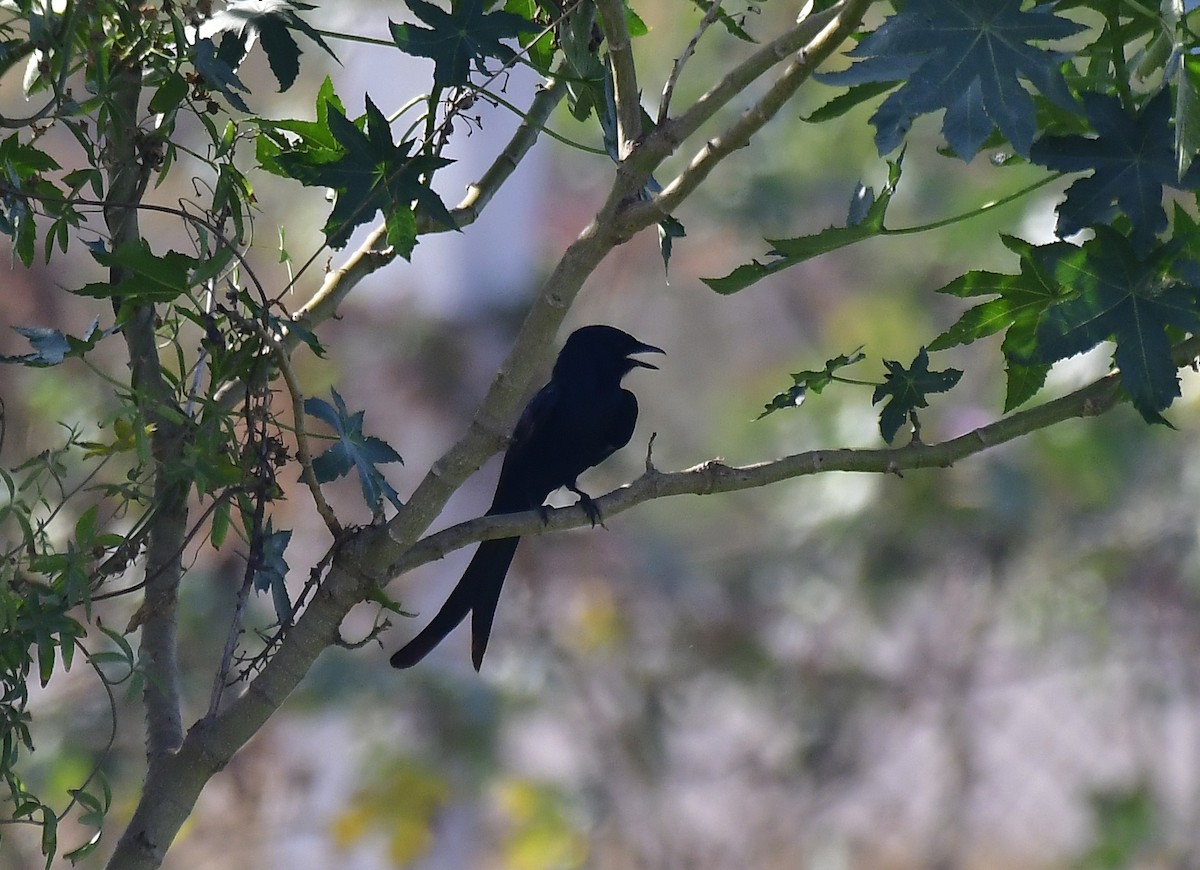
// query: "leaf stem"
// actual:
[[975, 212]]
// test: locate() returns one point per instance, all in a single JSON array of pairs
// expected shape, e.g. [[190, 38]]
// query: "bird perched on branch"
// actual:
[[577, 420]]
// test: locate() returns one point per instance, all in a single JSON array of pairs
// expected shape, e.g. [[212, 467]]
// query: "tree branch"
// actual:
[[713, 476], [128, 177], [827, 35], [664, 139], [158, 617], [625, 88], [370, 257]]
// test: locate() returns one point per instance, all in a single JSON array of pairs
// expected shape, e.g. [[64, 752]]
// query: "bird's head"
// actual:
[[603, 351]]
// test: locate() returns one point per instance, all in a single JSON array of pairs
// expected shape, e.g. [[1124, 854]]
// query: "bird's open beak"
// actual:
[[645, 348]]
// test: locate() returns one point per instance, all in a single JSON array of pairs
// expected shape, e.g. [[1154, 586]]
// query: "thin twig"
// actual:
[[710, 15]]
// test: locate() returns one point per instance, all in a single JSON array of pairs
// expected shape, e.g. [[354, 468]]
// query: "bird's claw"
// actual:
[[589, 507]]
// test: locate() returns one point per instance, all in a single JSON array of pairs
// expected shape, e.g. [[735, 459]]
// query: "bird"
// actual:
[[577, 420]]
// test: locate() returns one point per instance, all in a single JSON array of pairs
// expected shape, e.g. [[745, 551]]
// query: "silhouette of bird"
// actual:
[[577, 420]]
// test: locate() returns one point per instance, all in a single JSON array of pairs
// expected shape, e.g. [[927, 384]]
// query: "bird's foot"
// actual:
[[589, 507]]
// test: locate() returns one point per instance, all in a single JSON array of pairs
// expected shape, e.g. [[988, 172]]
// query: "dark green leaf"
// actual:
[[218, 74], [459, 39], [843, 103], [906, 389], [669, 229], [861, 224], [1119, 296], [353, 450], [968, 57], [153, 278], [283, 54], [1131, 159], [816, 381], [368, 173], [1021, 304], [169, 94], [271, 571]]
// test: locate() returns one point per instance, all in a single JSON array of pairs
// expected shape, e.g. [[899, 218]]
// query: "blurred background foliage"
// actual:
[[991, 666]]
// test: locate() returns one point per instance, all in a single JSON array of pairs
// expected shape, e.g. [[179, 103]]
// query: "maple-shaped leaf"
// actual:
[[1021, 303], [244, 21], [51, 346], [460, 38], [368, 173], [1131, 158], [816, 381], [1133, 301], [353, 450], [968, 57], [271, 569], [906, 390]]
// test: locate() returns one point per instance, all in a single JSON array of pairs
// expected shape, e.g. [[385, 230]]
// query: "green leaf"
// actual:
[[1119, 296], [1131, 159], [459, 39], [906, 390], [218, 74], [539, 46], [219, 527], [633, 22], [154, 278], [843, 103], [368, 173], [51, 347], [734, 28], [49, 834], [815, 381], [1187, 112], [1127, 825], [353, 450], [1021, 304], [270, 572], [861, 224], [169, 94], [968, 57], [669, 229]]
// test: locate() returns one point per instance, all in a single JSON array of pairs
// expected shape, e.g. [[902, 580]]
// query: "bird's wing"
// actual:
[[521, 486], [619, 425], [539, 409]]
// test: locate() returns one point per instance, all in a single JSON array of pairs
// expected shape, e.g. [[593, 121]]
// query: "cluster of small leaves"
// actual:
[[903, 390], [811, 381], [44, 579], [997, 71], [212, 329]]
